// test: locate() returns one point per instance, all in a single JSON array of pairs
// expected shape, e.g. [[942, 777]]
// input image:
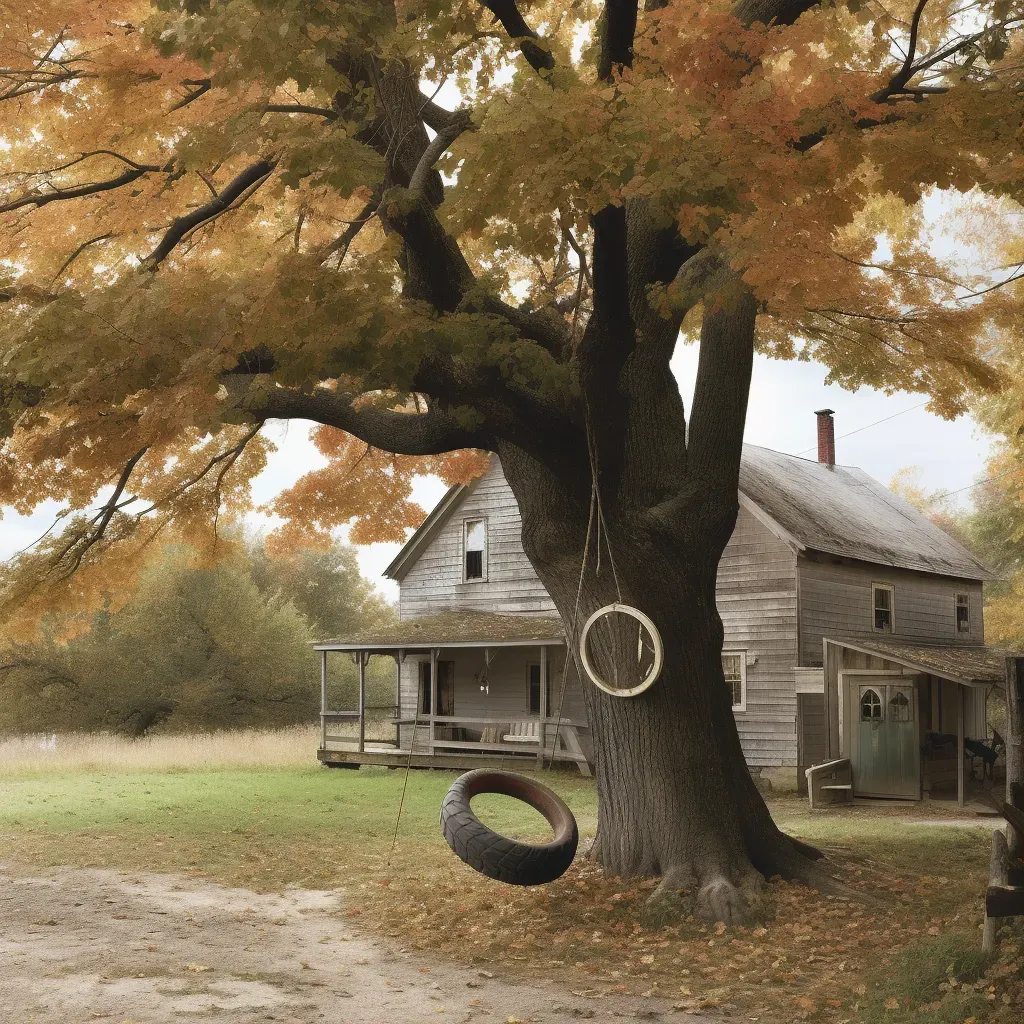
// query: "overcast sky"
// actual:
[[783, 400]]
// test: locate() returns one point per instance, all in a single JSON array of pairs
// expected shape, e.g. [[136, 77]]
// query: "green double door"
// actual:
[[886, 761]]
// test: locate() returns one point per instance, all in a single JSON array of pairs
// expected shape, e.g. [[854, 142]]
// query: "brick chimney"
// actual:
[[826, 437]]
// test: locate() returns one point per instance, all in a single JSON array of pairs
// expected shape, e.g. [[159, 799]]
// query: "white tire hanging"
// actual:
[[657, 646]]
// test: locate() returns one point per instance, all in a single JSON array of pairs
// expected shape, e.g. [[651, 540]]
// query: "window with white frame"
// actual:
[[882, 607], [734, 665], [474, 561], [963, 613]]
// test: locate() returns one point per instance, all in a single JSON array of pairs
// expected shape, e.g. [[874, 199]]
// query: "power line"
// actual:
[[868, 426], [978, 483]]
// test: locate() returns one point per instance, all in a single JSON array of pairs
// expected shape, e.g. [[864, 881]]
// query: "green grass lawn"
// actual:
[[249, 827], [909, 952]]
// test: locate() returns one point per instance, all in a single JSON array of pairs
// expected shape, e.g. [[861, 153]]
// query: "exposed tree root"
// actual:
[[712, 895], [737, 896], [804, 848]]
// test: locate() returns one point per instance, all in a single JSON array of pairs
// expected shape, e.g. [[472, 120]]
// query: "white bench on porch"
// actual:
[[523, 732]]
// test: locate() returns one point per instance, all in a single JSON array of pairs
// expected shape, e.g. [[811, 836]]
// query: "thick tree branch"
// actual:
[[434, 115], [724, 369], [617, 30], [249, 179], [435, 150], [772, 12], [431, 433], [530, 44]]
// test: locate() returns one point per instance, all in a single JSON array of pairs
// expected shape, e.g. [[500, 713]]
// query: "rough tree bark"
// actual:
[[675, 796]]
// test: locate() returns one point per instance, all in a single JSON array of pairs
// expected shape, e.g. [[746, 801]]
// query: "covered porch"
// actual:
[[471, 690], [909, 721]]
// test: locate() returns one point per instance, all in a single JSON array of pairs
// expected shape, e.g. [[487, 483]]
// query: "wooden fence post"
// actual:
[[1014, 747]]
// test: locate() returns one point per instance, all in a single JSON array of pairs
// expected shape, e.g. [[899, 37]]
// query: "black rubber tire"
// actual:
[[494, 855]]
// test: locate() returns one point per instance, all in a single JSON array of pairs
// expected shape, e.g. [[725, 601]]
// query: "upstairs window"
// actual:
[[882, 607], [734, 666], [475, 547], [963, 613]]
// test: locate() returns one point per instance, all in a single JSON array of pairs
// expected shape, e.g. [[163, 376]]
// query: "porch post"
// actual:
[[544, 706], [323, 700], [433, 696], [399, 658], [960, 745], [362, 701], [841, 701]]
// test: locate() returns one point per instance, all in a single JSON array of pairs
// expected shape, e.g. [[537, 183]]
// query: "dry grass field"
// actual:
[[95, 752], [255, 810]]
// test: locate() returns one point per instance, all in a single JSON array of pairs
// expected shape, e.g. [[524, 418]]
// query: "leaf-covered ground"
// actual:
[[908, 950]]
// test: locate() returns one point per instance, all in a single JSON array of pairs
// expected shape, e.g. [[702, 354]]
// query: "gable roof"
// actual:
[[840, 510], [837, 510], [422, 535]]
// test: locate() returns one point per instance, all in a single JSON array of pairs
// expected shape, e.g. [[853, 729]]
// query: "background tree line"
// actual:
[[201, 644]]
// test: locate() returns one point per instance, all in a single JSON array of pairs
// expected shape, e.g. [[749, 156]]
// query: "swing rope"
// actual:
[[408, 765], [595, 522]]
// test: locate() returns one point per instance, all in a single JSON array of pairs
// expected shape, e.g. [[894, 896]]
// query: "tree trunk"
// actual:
[[675, 797]]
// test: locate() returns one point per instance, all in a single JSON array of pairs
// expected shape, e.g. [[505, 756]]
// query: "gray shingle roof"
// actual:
[[840, 510], [961, 663], [459, 627]]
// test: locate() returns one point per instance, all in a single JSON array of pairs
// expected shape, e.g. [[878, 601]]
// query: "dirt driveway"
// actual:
[[87, 945]]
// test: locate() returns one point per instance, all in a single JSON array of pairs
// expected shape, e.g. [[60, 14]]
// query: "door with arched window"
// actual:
[[885, 756]]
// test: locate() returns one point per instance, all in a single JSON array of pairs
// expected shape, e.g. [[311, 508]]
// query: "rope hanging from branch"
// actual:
[[653, 643]]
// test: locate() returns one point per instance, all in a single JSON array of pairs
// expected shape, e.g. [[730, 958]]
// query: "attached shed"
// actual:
[[901, 712]]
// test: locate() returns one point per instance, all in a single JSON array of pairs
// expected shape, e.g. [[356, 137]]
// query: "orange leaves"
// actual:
[[362, 486]]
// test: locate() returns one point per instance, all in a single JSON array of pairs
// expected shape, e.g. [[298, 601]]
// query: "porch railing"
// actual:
[[544, 738], [378, 724]]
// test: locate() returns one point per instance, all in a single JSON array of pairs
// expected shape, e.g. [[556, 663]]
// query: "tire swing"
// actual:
[[494, 855]]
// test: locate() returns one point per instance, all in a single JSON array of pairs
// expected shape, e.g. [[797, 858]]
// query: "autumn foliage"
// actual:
[[438, 227], [190, 187]]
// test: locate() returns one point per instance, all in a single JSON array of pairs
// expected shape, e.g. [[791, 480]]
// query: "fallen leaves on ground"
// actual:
[[816, 958]]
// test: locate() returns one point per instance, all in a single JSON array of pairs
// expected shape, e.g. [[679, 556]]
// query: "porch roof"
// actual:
[[453, 629], [972, 666]]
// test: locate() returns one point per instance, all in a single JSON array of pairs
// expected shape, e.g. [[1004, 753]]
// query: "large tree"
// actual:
[[223, 212]]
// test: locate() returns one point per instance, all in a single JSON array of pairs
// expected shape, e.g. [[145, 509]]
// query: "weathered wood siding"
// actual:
[[835, 600], [434, 584], [812, 734], [757, 602]]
